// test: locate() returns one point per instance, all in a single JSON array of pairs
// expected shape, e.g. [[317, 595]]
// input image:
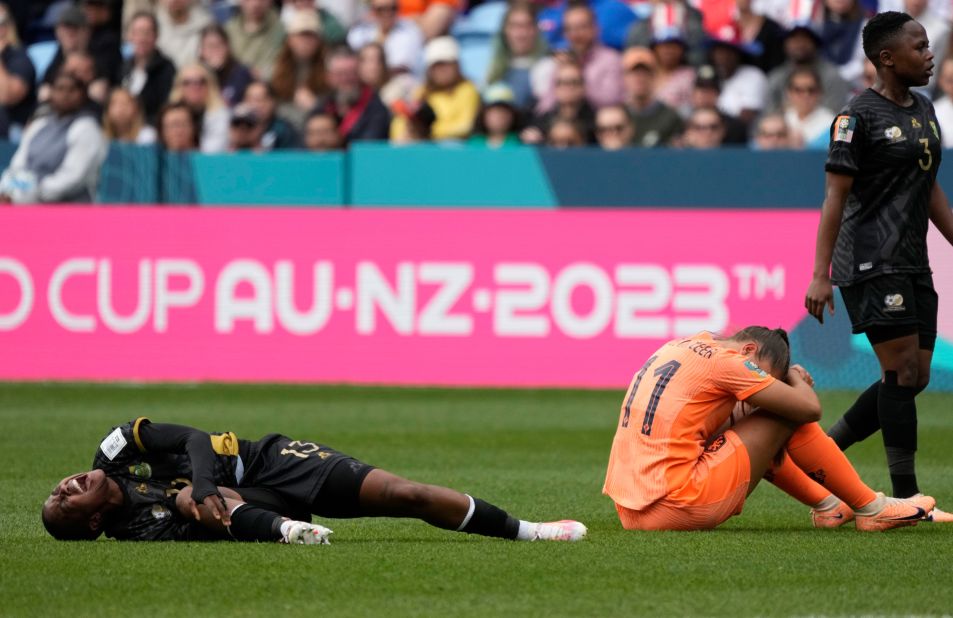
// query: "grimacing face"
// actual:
[[78, 498]]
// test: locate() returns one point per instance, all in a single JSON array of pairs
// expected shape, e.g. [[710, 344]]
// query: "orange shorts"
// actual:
[[716, 491]]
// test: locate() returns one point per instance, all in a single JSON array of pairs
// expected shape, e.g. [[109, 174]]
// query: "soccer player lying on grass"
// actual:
[[672, 468], [160, 482]]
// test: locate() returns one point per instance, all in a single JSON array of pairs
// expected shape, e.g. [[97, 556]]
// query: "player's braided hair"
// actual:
[[879, 32], [775, 347]]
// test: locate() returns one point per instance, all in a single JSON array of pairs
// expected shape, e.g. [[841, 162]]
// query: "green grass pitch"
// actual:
[[538, 454]]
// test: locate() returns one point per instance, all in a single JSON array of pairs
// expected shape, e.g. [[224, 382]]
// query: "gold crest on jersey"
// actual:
[[916, 123]]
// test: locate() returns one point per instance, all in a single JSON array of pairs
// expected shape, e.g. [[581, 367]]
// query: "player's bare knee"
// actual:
[[410, 496]]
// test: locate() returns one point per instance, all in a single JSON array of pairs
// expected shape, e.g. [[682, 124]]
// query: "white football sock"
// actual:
[[827, 503], [527, 531], [286, 528], [874, 507]]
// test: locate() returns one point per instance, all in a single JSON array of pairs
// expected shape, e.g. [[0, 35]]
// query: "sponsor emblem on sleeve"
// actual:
[[758, 371], [844, 129], [141, 470], [113, 444], [894, 134], [936, 131], [894, 302]]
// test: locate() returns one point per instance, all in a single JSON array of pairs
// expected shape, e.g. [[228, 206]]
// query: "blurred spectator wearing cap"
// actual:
[[123, 120], [215, 53], [518, 50], [938, 33], [704, 130], [667, 20], [565, 134], [743, 86], [196, 87], [570, 104], [403, 41], [60, 155], [675, 78], [104, 40], [944, 104], [841, 37], [362, 114], [762, 34], [17, 79], [178, 131], [147, 74], [332, 31], [802, 49], [772, 133], [72, 35], [256, 35], [373, 72], [277, 133], [614, 128], [244, 130], [656, 124], [809, 121], [705, 95], [300, 77], [454, 100], [180, 29], [321, 132], [498, 123], [612, 17], [433, 17]]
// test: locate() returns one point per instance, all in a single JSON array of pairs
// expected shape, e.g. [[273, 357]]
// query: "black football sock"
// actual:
[[488, 520], [860, 421], [253, 523], [898, 423]]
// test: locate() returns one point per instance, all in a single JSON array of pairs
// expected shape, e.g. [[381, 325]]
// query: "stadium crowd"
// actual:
[[256, 75]]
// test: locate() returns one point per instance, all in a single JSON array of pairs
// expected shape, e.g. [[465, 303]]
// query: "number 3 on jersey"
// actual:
[[665, 373], [926, 165]]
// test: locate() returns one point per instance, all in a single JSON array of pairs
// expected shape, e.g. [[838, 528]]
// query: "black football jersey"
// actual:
[[893, 153]]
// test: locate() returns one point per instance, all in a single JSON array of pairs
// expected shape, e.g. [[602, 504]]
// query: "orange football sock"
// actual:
[[793, 481], [818, 455]]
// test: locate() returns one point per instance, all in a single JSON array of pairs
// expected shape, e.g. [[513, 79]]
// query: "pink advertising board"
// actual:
[[435, 297]]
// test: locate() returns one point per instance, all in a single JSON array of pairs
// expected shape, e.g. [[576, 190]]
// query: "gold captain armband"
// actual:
[[225, 444]]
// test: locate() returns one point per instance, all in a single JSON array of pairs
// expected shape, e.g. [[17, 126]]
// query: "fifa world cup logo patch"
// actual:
[[893, 302]]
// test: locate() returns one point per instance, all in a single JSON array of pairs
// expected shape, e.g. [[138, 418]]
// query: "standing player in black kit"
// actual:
[[880, 197]]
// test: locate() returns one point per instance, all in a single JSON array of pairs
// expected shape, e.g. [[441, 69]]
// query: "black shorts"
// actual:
[[294, 477], [898, 304]]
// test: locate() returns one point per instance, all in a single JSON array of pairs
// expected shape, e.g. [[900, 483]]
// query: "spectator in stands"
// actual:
[[656, 124], [762, 34], [667, 19], [196, 87], [612, 16], [402, 39], [614, 128], [123, 120], [419, 120], [571, 104], [938, 33], [362, 114], [104, 39], [333, 33], [178, 131], [840, 37], [809, 121], [17, 79], [772, 133], [705, 129], [72, 35], [706, 93], [869, 77], [675, 78], [60, 155], [215, 53], [180, 27], [743, 86], [565, 134], [944, 104], [454, 100], [277, 133], [601, 66], [257, 36], [148, 74], [372, 71], [433, 17], [518, 50], [82, 65], [802, 49], [299, 78], [498, 123], [321, 132], [244, 130]]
